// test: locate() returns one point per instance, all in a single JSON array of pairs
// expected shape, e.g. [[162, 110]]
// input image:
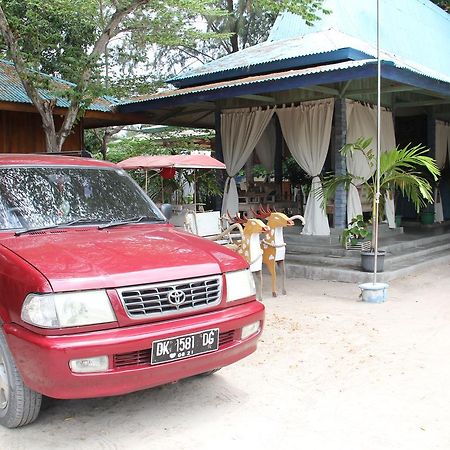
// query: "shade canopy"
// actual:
[[175, 161]]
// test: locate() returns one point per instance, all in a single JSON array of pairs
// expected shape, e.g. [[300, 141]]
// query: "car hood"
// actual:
[[88, 258]]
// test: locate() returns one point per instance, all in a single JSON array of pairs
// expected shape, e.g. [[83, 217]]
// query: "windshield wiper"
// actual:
[[30, 230], [131, 220], [78, 221]]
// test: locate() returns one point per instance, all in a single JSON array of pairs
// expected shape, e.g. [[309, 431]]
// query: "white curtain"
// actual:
[[442, 146], [388, 143], [307, 130], [362, 123], [241, 130], [265, 148]]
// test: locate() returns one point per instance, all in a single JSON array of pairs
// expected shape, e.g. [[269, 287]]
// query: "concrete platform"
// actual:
[[408, 249]]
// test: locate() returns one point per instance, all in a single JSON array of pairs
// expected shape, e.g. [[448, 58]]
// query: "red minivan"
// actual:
[[100, 296]]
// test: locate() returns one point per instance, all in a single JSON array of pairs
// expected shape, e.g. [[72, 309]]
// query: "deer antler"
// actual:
[[261, 213], [237, 218]]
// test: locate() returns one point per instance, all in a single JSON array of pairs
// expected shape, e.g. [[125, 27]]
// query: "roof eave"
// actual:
[[330, 57], [258, 87]]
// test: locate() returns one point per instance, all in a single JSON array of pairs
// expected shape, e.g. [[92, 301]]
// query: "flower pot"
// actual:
[[427, 218], [374, 292], [368, 261], [398, 221]]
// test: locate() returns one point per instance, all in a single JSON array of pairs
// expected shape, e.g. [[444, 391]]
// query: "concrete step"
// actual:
[[349, 257], [392, 244], [401, 259]]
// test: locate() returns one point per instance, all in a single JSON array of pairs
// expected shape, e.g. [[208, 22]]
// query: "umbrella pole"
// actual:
[[162, 190], [146, 181], [195, 191]]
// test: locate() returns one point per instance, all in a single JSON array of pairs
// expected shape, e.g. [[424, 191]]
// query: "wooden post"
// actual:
[[340, 166]]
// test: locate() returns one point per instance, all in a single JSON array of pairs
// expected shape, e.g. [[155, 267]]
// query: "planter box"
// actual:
[[359, 246], [427, 218], [368, 261]]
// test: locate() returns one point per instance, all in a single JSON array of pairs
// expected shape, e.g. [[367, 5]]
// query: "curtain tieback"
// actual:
[[227, 184]]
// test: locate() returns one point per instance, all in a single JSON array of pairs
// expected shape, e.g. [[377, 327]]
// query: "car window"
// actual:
[[45, 196]]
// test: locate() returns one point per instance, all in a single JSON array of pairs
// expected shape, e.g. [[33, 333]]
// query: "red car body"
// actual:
[[68, 259]]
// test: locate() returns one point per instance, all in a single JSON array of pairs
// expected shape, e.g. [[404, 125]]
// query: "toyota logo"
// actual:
[[176, 298]]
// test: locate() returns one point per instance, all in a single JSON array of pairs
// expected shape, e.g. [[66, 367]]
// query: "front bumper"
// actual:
[[43, 361]]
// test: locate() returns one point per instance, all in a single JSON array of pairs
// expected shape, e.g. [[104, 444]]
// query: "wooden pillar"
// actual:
[[340, 167]]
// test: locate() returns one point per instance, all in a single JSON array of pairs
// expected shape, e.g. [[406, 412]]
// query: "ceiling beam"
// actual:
[[257, 98], [173, 112], [322, 90], [344, 89], [384, 90], [421, 103], [201, 117]]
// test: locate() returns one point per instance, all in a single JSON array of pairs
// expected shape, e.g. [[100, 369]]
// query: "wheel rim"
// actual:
[[4, 385]]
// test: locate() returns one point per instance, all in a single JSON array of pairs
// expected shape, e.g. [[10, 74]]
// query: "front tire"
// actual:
[[209, 373], [19, 405]]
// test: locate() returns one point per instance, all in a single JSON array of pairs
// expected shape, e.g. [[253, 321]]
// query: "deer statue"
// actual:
[[273, 245], [250, 246]]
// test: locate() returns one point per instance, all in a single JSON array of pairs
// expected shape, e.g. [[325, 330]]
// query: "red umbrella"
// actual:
[[176, 161], [164, 162]]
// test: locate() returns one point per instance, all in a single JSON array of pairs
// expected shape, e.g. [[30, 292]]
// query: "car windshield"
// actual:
[[36, 197]]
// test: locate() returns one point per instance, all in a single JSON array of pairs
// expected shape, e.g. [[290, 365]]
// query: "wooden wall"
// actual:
[[21, 132]]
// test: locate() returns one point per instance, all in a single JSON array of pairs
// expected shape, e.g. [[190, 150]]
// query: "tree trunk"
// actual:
[[54, 140]]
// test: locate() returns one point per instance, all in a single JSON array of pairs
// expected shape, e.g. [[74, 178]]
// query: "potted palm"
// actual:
[[401, 169]]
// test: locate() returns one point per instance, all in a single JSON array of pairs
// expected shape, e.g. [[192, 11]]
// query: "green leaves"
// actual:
[[409, 170], [357, 230]]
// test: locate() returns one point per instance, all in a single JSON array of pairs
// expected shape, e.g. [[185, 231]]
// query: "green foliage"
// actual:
[[260, 171], [241, 24], [401, 169], [121, 149], [56, 37], [357, 230], [444, 4], [294, 173]]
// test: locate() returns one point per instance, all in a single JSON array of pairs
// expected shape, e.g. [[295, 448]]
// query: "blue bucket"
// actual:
[[374, 292]]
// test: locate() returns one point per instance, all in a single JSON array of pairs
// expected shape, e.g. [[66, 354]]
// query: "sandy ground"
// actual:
[[331, 372]]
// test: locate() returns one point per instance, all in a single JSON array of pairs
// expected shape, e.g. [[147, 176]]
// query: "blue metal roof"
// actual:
[[303, 51], [414, 30], [12, 90], [275, 82]]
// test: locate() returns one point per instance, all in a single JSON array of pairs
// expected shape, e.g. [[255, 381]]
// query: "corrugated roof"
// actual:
[[249, 80], [261, 54], [351, 25], [416, 30], [402, 64], [12, 90]]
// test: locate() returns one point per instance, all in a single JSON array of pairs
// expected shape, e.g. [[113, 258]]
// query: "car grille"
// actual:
[[143, 357], [172, 297]]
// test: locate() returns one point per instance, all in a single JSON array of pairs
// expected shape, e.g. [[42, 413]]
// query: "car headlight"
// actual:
[[67, 309], [240, 284]]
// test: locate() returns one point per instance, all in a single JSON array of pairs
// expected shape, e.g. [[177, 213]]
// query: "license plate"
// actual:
[[181, 347]]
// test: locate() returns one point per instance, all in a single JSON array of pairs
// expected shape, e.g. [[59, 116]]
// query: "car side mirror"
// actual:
[[166, 209]]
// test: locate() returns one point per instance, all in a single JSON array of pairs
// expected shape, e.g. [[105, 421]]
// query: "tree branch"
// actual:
[[99, 48]]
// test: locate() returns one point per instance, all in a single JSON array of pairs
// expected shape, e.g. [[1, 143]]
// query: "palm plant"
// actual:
[[407, 170]]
